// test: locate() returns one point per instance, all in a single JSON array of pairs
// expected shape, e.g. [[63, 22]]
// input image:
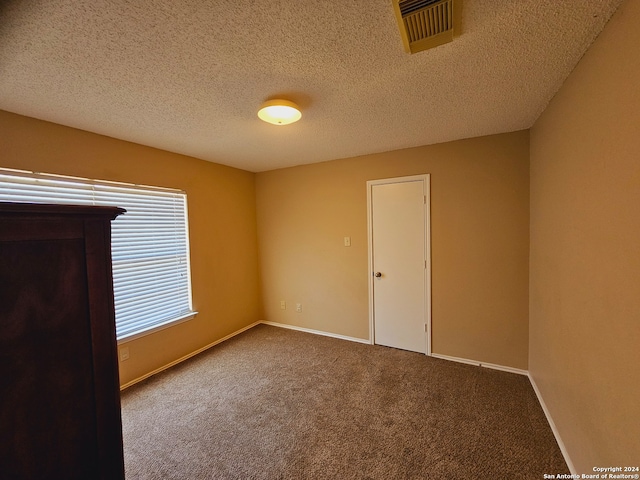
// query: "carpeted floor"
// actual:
[[279, 404]]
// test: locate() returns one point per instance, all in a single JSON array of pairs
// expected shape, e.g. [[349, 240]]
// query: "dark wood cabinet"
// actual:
[[59, 389]]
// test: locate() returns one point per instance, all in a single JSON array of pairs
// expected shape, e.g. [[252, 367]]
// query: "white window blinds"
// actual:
[[150, 243]]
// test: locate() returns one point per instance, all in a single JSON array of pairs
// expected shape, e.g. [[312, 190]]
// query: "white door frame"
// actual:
[[426, 183]]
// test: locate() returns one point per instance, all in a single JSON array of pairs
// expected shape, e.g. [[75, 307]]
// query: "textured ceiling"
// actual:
[[188, 76]]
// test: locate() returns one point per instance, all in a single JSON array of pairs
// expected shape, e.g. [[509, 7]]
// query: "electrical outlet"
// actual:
[[283, 305], [298, 307], [124, 354]]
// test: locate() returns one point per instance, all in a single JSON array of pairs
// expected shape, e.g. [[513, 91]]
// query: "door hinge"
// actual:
[[425, 199], [425, 327]]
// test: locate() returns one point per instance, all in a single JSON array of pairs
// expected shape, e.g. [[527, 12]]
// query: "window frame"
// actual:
[[167, 251]]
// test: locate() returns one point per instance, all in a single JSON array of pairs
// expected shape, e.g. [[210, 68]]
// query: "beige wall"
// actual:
[[480, 244], [585, 251], [222, 225]]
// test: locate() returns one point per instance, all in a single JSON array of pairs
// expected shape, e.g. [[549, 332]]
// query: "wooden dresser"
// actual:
[[59, 389]]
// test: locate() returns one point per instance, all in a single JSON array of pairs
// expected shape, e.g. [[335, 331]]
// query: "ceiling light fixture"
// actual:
[[279, 112]]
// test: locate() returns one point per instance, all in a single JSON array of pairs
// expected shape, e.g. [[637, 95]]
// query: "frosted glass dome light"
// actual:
[[279, 112]]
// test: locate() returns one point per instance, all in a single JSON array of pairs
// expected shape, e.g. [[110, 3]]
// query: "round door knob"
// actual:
[[378, 274]]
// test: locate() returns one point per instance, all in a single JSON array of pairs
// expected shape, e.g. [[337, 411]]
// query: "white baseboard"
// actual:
[[552, 424], [186, 357], [481, 364], [317, 332]]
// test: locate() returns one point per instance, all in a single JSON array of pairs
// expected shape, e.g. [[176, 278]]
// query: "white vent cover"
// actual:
[[427, 23]]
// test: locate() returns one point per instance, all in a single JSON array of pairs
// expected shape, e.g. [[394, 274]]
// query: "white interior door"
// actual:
[[399, 261]]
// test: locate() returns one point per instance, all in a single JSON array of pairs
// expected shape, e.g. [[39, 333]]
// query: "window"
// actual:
[[150, 243]]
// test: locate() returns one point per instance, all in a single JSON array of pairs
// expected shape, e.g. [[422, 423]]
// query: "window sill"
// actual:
[[156, 328]]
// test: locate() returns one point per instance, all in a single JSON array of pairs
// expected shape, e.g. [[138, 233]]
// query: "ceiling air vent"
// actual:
[[427, 23]]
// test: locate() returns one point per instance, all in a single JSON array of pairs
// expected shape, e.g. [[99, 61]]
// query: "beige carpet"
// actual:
[[279, 404]]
